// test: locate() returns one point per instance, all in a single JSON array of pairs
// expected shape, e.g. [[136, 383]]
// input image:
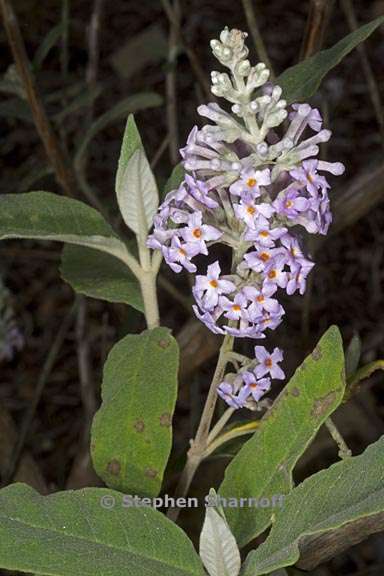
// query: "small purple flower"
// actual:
[[290, 203], [248, 210], [199, 190], [263, 234], [308, 176], [297, 278], [208, 288], [199, 233], [269, 363], [294, 253], [261, 300], [179, 255], [209, 319], [253, 387], [257, 259], [226, 392], [250, 182], [274, 272], [234, 309]]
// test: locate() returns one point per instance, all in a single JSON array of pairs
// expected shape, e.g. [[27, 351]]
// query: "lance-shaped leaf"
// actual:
[[100, 276], [263, 467], [88, 532], [47, 216], [131, 433], [136, 188], [301, 81], [218, 549], [346, 492]]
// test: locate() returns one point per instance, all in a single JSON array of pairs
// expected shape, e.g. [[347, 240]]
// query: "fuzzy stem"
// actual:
[[148, 290], [344, 451]]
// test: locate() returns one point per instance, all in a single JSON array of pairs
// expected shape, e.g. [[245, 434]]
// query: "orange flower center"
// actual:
[[272, 274], [197, 233], [251, 209], [289, 204], [253, 385], [264, 256], [182, 252], [213, 283], [310, 179], [236, 308], [260, 298], [264, 233], [268, 363], [251, 182]]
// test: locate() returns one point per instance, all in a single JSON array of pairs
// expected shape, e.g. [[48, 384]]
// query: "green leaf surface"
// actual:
[[302, 81], [345, 492], [263, 467], [89, 532], [100, 275], [51, 39], [136, 188], [131, 433], [47, 216]]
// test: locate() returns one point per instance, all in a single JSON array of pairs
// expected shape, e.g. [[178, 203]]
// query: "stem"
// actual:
[[217, 428], [148, 289], [200, 443], [344, 451], [55, 152], [235, 433]]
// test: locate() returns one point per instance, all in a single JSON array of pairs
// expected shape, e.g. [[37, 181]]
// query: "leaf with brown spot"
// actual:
[[263, 467], [165, 419], [114, 467], [132, 426]]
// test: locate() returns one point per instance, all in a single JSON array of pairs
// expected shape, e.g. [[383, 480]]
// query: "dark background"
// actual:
[[45, 410]]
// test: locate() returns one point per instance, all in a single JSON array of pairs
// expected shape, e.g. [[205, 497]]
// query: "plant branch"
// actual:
[[56, 155], [344, 451], [317, 21], [199, 444]]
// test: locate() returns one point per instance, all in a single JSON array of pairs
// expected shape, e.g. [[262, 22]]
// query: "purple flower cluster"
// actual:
[[252, 180], [246, 388]]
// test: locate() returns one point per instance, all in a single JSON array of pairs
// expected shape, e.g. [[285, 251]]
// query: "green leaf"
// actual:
[[136, 188], [137, 196], [47, 216], [101, 276], [131, 142], [77, 532], [47, 44], [131, 433], [345, 492], [175, 179], [362, 374], [263, 467], [302, 81], [218, 549], [352, 355]]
